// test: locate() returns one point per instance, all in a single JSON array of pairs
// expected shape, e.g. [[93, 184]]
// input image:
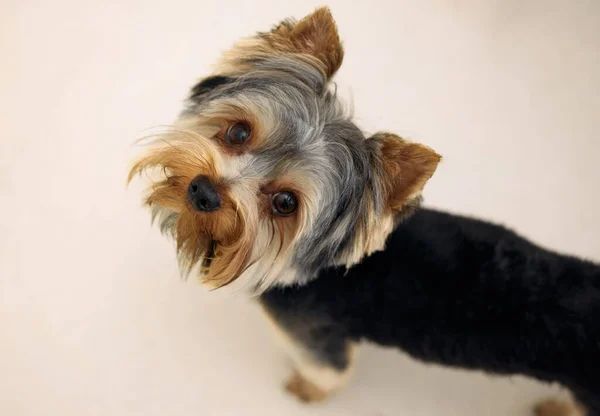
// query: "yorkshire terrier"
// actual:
[[265, 180]]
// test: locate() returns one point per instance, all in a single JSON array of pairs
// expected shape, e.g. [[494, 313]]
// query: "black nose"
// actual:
[[203, 195]]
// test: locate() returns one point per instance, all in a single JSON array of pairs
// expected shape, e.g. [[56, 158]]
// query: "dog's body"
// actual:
[[458, 292], [265, 180]]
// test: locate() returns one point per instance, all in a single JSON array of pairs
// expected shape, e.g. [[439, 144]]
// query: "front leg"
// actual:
[[322, 357]]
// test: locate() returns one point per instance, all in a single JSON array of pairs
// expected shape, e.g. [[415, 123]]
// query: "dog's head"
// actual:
[[264, 177]]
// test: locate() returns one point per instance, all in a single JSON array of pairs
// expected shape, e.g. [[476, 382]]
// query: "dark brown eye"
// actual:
[[284, 203], [237, 133]]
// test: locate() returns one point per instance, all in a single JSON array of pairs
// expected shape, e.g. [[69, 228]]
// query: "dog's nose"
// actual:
[[203, 195]]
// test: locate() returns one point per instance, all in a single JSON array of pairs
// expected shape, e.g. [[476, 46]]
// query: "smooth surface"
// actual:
[[93, 317]]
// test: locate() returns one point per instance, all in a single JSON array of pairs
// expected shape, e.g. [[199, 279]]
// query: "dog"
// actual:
[[264, 180]]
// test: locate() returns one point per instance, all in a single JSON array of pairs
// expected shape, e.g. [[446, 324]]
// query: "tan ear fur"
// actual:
[[315, 35], [406, 168]]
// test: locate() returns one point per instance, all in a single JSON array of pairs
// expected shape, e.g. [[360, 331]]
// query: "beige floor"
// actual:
[[93, 317]]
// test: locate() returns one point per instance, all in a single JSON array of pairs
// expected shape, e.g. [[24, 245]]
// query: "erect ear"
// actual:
[[404, 168], [315, 35]]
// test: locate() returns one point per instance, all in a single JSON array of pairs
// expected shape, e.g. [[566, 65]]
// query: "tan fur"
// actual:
[[313, 39], [407, 167], [315, 35], [304, 390], [370, 237], [182, 154], [559, 408]]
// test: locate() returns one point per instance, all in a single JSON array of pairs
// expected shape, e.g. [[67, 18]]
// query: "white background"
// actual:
[[93, 317]]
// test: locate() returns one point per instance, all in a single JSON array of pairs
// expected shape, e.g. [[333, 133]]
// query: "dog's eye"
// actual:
[[237, 133], [284, 203]]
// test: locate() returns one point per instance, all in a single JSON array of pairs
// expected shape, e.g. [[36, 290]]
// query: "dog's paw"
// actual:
[[558, 408], [304, 390]]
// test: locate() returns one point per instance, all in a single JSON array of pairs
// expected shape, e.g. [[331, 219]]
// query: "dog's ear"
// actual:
[[315, 35], [403, 168]]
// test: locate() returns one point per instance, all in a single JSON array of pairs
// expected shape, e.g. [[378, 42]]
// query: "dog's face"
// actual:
[[265, 178]]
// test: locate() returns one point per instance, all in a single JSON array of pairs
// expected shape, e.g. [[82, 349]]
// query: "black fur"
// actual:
[[459, 292], [209, 84]]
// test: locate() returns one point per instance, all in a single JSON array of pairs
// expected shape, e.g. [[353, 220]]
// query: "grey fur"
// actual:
[[312, 131]]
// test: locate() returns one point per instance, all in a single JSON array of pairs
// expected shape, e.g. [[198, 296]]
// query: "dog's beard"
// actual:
[[218, 245], [238, 239], [259, 260]]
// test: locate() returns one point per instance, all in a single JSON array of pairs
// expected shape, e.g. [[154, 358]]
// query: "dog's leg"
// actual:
[[322, 360]]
